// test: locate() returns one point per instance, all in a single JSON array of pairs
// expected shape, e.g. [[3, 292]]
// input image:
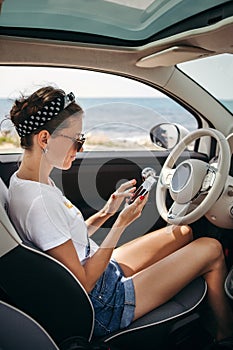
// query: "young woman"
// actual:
[[123, 283]]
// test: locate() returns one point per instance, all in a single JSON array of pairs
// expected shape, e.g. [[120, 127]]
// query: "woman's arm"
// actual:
[[89, 273], [111, 207], [97, 220]]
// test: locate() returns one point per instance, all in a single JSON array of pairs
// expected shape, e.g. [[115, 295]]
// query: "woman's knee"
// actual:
[[185, 231], [213, 249]]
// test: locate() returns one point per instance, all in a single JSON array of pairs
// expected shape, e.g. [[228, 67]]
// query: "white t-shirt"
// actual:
[[44, 216]]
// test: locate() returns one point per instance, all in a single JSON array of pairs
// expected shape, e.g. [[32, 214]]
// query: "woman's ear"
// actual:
[[42, 138]]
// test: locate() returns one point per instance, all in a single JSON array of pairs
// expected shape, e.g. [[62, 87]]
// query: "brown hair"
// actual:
[[24, 107]]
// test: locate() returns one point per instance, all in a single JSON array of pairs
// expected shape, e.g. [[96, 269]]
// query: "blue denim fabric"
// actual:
[[113, 299]]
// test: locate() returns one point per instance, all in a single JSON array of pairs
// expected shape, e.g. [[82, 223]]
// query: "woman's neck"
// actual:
[[34, 168]]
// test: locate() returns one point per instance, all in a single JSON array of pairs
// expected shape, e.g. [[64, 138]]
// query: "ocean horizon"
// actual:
[[125, 118]]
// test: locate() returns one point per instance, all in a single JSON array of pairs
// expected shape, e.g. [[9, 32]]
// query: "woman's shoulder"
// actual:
[[28, 189]]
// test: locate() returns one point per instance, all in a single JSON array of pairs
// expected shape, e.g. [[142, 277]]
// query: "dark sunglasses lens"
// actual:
[[79, 144]]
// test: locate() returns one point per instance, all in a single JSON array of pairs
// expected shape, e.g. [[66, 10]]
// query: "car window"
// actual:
[[207, 71], [119, 112]]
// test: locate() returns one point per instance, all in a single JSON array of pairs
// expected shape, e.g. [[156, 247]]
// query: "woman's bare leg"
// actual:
[[152, 247], [216, 295], [159, 282]]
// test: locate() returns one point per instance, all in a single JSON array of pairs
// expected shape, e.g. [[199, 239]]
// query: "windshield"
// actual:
[[215, 74], [121, 19]]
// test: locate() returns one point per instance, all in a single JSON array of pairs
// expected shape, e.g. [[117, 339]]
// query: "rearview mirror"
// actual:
[[166, 135]]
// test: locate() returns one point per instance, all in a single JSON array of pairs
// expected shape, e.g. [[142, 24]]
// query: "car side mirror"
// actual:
[[167, 135]]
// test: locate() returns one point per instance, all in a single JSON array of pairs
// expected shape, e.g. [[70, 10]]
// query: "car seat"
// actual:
[[47, 291], [19, 331]]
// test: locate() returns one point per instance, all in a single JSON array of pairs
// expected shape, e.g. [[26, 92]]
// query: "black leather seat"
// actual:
[[19, 331], [47, 291]]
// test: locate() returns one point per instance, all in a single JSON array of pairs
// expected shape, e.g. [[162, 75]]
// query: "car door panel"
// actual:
[[93, 178]]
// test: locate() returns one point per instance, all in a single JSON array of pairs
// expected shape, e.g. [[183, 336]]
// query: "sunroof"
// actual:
[[139, 4], [132, 20]]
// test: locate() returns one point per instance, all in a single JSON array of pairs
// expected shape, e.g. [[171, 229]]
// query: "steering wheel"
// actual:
[[194, 185]]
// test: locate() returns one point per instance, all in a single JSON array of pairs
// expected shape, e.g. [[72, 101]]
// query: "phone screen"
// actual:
[[143, 189]]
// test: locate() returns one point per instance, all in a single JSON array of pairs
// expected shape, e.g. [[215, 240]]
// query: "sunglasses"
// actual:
[[68, 99], [78, 142]]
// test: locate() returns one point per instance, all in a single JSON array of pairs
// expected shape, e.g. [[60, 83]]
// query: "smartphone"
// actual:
[[144, 188]]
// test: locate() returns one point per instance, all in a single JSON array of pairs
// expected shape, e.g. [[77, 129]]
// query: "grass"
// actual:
[[93, 142], [6, 138]]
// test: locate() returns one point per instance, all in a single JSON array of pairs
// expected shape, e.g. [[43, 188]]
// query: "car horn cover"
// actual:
[[187, 180]]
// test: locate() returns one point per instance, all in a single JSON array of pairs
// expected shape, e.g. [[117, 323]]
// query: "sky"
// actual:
[[82, 83], [16, 80], [217, 71]]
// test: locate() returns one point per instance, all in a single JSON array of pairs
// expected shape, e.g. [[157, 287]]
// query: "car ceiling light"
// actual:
[[171, 56]]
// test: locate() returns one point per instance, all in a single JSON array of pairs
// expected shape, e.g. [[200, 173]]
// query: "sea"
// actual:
[[124, 118]]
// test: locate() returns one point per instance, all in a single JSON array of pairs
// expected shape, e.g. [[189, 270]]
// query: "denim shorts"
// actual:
[[113, 299]]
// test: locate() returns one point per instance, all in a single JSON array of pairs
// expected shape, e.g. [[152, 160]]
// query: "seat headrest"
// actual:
[[9, 238], [3, 194]]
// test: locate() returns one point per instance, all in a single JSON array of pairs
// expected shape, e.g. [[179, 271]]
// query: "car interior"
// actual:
[[159, 50]]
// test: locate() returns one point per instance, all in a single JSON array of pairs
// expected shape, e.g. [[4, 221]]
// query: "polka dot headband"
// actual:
[[42, 116]]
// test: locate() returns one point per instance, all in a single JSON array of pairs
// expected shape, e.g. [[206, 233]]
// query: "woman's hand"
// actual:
[[124, 191], [132, 211]]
